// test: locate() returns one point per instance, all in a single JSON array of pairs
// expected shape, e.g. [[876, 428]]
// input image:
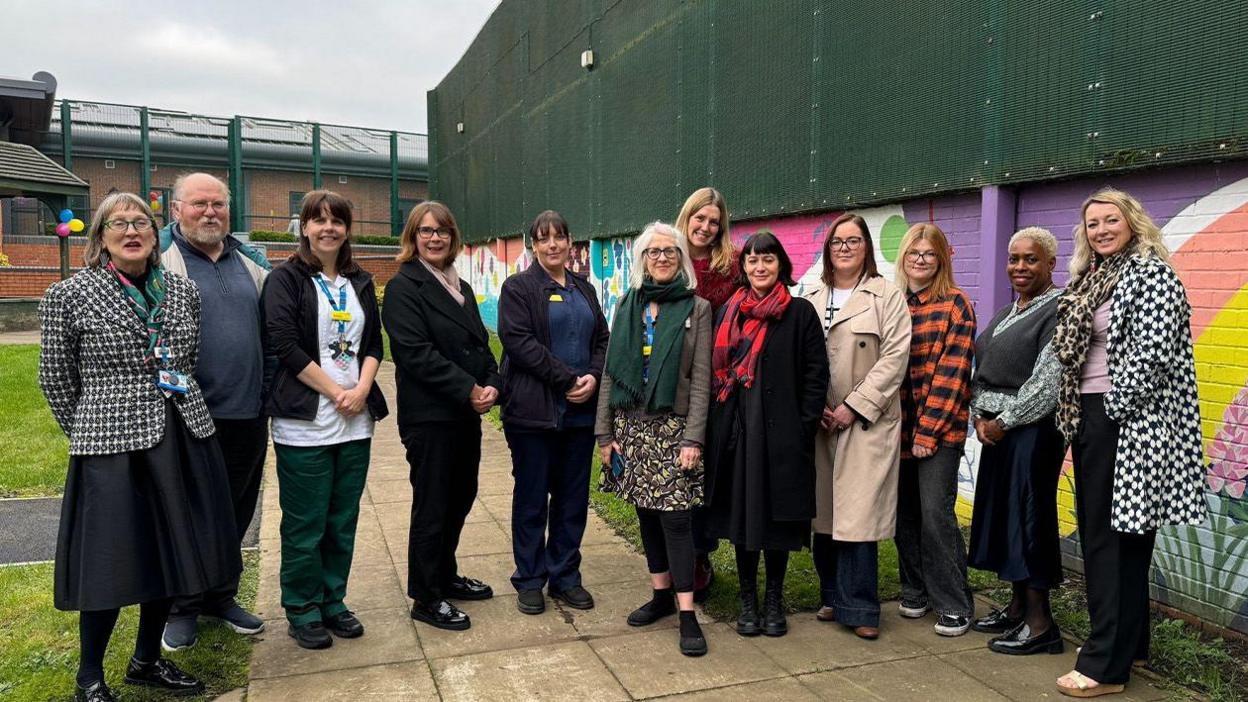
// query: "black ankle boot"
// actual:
[[692, 642], [747, 623], [774, 622]]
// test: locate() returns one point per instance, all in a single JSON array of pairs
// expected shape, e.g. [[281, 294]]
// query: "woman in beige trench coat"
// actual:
[[858, 449]]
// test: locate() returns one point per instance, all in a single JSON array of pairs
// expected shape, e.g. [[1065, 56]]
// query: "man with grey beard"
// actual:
[[229, 275]]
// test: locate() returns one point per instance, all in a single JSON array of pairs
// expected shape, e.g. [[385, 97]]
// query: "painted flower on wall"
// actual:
[[1228, 461]]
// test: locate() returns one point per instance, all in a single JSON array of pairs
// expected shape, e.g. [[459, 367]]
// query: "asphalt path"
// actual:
[[28, 529]]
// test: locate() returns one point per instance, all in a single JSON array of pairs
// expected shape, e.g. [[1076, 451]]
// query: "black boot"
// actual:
[[747, 623], [661, 604], [774, 622]]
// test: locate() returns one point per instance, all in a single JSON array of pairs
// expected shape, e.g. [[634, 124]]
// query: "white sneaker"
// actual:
[[910, 610]]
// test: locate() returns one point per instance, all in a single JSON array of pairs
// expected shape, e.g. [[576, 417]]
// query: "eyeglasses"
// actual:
[[203, 205], [121, 225], [924, 256], [853, 243], [670, 253], [430, 232]]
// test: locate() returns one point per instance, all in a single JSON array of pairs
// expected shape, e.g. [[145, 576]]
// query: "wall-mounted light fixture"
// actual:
[[459, 127], [587, 59]]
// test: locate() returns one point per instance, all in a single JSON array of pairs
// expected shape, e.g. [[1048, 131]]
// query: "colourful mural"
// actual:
[[1204, 215]]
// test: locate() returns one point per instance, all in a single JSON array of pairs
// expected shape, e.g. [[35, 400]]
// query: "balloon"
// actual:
[[76, 225], [62, 229], [66, 215], [155, 205], [153, 195]]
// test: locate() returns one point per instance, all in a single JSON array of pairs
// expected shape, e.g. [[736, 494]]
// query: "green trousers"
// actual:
[[319, 490]]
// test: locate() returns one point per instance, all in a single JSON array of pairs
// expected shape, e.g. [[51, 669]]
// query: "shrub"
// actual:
[[266, 235]]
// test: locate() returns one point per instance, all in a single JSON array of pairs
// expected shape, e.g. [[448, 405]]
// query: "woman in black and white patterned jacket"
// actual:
[[1127, 407], [146, 514]]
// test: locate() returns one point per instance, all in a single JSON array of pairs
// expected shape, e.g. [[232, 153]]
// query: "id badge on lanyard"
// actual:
[[168, 380], [340, 346]]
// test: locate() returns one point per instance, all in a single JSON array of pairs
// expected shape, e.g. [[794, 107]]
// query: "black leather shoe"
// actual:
[[462, 588], [747, 622], [774, 622], [997, 622], [692, 642], [164, 675], [97, 692], [531, 602], [311, 635], [345, 625], [662, 604], [575, 597], [1019, 641], [441, 614]]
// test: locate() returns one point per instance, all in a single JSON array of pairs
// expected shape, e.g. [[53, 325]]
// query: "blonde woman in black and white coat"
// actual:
[[1127, 407], [146, 514]]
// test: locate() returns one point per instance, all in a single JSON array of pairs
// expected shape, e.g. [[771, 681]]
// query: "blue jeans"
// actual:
[[849, 579], [551, 470]]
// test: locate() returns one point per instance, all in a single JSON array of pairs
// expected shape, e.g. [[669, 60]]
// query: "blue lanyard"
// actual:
[[649, 344], [342, 302]]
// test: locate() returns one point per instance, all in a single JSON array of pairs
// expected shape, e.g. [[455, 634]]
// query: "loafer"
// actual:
[[442, 615], [239, 620], [312, 635], [575, 597], [344, 625], [997, 622], [180, 634], [662, 604], [462, 588], [1020, 641], [950, 625], [531, 602], [162, 674], [869, 633], [826, 614], [911, 609], [96, 692]]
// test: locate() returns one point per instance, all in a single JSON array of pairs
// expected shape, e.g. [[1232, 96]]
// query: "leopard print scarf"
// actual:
[[1075, 311]]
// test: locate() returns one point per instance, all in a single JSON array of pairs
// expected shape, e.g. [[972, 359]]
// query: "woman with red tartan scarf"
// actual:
[[760, 481]]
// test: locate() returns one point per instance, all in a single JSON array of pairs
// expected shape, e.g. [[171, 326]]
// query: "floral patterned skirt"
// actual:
[[652, 476]]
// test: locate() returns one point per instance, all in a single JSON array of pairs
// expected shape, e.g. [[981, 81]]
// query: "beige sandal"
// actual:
[[1087, 687]]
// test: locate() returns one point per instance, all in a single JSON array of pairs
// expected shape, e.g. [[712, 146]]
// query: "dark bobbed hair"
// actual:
[[869, 267], [315, 203], [764, 242], [546, 221]]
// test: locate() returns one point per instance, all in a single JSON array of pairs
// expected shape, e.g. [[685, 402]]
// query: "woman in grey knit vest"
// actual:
[[1013, 397]]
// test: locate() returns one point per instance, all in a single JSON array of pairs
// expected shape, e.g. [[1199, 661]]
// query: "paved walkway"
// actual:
[[19, 337], [574, 655]]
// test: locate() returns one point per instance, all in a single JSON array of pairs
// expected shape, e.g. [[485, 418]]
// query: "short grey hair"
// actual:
[[180, 184], [637, 274], [1040, 235], [93, 256]]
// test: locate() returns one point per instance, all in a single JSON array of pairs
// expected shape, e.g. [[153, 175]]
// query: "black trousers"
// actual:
[[1115, 564], [551, 470], [445, 459], [244, 443], [667, 537], [849, 578]]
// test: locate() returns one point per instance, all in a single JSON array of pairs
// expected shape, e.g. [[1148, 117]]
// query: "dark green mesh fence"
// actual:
[[810, 104]]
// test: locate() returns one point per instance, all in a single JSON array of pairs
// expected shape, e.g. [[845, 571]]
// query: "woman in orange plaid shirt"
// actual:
[[935, 397]]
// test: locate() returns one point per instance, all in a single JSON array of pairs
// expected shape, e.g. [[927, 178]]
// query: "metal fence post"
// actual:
[[145, 145], [239, 204], [67, 139], [395, 225], [316, 156]]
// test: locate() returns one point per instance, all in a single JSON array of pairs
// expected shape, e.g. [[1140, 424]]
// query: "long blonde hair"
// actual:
[[1146, 237], [723, 258], [943, 282]]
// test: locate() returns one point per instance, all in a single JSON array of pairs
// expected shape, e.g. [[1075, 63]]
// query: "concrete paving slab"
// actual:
[[611, 563], [597, 532], [787, 689], [568, 671], [834, 687], [612, 604], [1037, 677], [496, 625], [494, 570], [813, 646], [914, 679], [389, 638], [921, 632], [383, 491], [395, 682], [498, 506], [649, 664]]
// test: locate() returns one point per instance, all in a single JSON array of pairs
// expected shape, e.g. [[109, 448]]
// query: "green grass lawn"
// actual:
[[36, 452], [39, 656]]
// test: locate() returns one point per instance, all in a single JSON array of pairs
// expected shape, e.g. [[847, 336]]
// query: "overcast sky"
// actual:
[[365, 63]]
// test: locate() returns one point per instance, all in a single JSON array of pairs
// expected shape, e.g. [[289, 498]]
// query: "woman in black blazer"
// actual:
[[447, 378], [770, 372], [554, 344], [146, 514]]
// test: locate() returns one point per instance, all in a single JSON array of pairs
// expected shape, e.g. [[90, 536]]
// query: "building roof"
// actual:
[[26, 107], [26, 172]]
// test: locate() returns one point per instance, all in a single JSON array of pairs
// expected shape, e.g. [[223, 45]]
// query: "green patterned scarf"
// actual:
[[624, 357]]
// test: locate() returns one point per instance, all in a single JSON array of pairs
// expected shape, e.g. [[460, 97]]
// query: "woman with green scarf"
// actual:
[[652, 418]]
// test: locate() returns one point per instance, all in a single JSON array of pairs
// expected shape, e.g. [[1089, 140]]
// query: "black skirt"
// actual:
[[1014, 528], [146, 525]]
